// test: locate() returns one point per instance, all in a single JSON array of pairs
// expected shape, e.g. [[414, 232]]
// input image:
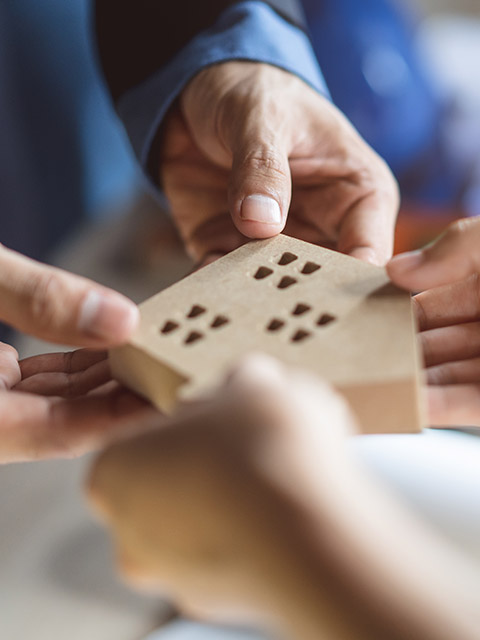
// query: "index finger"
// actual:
[[452, 304], [455, 255]]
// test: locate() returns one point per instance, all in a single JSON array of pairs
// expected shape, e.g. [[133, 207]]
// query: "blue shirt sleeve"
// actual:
[[250, 31]]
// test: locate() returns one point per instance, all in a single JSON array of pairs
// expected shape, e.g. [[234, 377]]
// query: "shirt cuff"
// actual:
[[250, 31]]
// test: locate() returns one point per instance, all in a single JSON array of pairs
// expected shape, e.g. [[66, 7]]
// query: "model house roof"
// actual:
[[308, 306]]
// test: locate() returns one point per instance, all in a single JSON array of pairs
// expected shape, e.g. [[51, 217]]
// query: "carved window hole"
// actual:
[[262, 272], [310, 267], [219, 321], [287, 258], [325, 319], [169, 327], [275, 325], [286, 282], [193, 336], [300, 335], [301, 309], [196, 311]]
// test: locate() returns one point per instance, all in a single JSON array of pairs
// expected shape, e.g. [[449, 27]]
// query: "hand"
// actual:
[[54, 305], [448, 312], [60, 404], [246, 509], [195, 507], [251, 150]]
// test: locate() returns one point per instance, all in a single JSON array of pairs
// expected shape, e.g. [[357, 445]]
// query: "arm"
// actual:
[[136, 39], [150, 52]]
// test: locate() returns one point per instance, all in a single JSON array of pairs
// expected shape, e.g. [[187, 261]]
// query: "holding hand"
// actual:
[[448, 312], [61, 404], [251, 150]]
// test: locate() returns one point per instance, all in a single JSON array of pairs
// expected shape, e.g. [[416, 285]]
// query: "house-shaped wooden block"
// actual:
[[308, 306]]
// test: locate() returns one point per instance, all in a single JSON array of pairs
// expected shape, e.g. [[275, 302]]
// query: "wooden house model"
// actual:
[[308, 306]]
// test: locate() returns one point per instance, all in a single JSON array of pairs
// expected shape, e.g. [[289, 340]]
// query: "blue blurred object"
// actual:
[[376, 77], [70, 154]]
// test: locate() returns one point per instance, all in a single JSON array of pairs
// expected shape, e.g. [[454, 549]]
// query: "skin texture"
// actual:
[[245, 507], [61, 404], [247, 140], [448, 311]]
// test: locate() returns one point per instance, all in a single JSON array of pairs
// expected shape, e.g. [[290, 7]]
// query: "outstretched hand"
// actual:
[[61, 404], [251, 150]]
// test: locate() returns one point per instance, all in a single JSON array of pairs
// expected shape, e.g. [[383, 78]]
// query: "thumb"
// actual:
[[60, 307], [453, 256], [260, 187]]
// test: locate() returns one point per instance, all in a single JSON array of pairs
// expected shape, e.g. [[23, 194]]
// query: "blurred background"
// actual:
[[408, 76]]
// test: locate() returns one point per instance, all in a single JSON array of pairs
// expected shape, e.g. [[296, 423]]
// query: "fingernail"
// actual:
[[407, 261], [107, 316], [258, 208]]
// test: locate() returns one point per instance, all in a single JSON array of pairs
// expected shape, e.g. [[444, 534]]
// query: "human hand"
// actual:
[[199, 510], [60, 404], [245, 509], [448, 312], [60, 307], [251, 150]]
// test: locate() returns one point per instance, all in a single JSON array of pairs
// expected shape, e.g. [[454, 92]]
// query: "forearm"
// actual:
[[136, 39], [377, 568], [145, 83]]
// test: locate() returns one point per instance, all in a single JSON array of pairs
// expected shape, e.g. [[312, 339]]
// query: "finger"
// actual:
[[455, 255], [450, 344], [10, 373], [451, 304], [463, 372], [260, 183], [367, 230], [63, 361], [66, 385], [216, 236], [270, 380], [36, 427], [54, 305], [457, 405]]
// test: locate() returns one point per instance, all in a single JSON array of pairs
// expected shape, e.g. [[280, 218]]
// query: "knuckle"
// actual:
[[385, 184], [266, 162], [459, 228], [8, 350], [68, 358], [437, 376], [45, 293]]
